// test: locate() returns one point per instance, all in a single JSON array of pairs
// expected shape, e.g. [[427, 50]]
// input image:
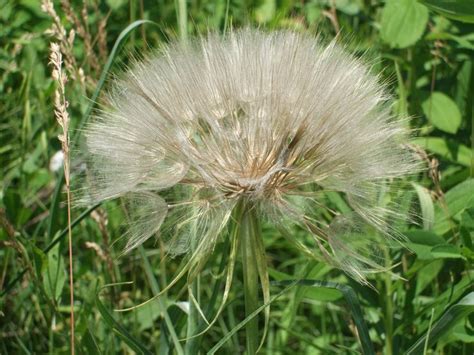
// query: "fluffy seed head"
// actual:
[[277, 119]]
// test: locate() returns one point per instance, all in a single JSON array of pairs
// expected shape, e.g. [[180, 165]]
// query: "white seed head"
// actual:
[[274, 118]]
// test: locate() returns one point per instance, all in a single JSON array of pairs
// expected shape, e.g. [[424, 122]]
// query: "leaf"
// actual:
[[349, 7], [265, 12], [447, 149], [421, 242], [442, 112], [115, 4], [461, 10], [54, 274], [423, 252], [147, 315], [403, 22], [323, 294], [446, 323], [427, 274], [446, 251], [457, 200], [427, 206], [312, 12], [462, 333], [424, 237], [467, 230]]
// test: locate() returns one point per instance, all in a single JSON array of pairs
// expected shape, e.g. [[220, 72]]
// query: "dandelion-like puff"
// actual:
[[270, 121]]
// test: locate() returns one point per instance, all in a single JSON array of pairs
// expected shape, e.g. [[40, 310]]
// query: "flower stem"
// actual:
[[249, 230], [192, 344]]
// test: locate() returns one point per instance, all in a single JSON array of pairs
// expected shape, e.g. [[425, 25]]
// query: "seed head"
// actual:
[[275, 119]]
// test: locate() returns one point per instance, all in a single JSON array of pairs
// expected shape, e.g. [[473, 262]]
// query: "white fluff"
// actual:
[[274, 118]]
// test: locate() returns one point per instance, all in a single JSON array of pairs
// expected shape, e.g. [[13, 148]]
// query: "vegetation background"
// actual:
[[424, 49]]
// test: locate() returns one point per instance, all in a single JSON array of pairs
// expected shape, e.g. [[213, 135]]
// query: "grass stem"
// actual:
[[71, 273]]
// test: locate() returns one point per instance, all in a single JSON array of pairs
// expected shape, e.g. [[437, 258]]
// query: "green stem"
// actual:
[[470, 108], [192, 344], [182, 17], [388, 319], [249, 230]]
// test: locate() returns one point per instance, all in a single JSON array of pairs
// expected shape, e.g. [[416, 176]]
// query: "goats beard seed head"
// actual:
[[274, 118]]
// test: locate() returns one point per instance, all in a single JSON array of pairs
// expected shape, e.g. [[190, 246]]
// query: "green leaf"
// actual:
[[446, 323], [442, 112], [424, 237], [312, 12], [462, 333], [446, 251], [447, 149], [427, 274], [461, 10], [467, 228], [457, 200], [421, 242], [54, 274], [427, 206], [115, 4], [265, 12], [349, 7], [147, 315], [403, 22], [323, 294]]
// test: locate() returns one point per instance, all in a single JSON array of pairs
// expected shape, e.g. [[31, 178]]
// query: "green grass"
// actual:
[[427, 58]]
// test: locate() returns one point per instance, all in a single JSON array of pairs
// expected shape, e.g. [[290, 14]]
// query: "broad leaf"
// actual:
[[403, 22], [442, 112]]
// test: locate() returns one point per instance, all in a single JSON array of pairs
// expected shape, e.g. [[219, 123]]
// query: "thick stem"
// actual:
[[249, 230]]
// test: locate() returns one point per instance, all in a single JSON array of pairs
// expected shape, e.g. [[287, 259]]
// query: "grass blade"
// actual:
[[119, 329], [446, 322], [156, 290]]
